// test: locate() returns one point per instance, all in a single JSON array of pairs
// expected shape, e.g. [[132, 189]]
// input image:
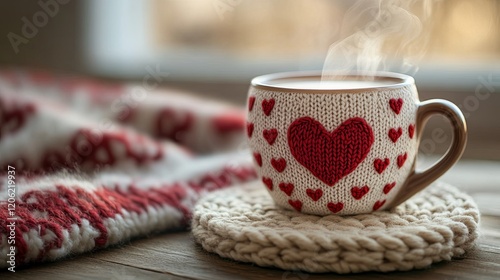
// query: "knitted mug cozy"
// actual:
[[340, 151]]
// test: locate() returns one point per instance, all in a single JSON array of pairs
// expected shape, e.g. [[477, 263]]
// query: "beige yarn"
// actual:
[[243, 223]]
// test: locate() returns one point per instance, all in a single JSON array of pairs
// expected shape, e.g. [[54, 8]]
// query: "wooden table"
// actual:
[[175, 255]]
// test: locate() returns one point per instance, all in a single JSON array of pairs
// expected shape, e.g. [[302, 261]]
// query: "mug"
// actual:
[[343, 147]]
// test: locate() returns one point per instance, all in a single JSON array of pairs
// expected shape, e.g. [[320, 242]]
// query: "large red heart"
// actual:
[[330, 155]]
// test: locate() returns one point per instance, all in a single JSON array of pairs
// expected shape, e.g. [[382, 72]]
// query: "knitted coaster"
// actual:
[[244, 224]]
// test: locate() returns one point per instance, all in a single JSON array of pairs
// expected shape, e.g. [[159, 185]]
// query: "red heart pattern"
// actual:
[[278, 164], [267, 106], [287, 188], [330, 156], [378, 204], [251, 101], [249, 129], [258, 158], [389, 187], [297, 204], [358, 193], [315, 195], [401, 159], [395, 134], [335, 207], [396, 105], [381, 165], [268, 182], [270, 135], [411, 130]]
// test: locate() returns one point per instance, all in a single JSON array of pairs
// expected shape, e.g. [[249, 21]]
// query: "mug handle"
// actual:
[[417, 181]]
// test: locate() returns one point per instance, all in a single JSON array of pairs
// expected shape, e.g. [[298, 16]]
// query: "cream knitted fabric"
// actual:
[[86, 164], [243, 223], [344, 153]]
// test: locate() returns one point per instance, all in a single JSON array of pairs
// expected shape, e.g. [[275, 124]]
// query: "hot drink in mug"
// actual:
[[343, 146]]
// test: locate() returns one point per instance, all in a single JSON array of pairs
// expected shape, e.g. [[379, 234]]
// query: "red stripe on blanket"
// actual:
[[60, 209]]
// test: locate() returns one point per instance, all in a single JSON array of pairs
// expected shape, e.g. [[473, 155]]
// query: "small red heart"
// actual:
[[335, 207], [358, 193], [249, 129], [389, 187], [287, 188], [396, 105], [258, 158], [411, 130], [268, 182], [297, 204], [395, 134], [378, 204], [267, 106], [402, 159], [314, 194], [381, 165], [278, 164], [251, 101], [270, 135]]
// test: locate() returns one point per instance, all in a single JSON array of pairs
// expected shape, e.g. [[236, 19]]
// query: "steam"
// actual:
[[384, 30]]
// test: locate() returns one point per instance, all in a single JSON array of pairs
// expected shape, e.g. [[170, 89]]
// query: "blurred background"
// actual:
[[214, 47]]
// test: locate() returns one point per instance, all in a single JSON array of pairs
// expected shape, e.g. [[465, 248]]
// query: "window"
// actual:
[[204, 42], [236, 39]]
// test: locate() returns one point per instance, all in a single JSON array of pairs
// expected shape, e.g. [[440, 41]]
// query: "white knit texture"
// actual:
[[331, 110], [243, 223]]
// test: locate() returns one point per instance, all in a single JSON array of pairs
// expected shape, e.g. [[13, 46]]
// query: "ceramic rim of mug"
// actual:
[[263, 82]]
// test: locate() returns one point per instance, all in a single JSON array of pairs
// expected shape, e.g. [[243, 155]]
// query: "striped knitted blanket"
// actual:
[[86, 164]]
